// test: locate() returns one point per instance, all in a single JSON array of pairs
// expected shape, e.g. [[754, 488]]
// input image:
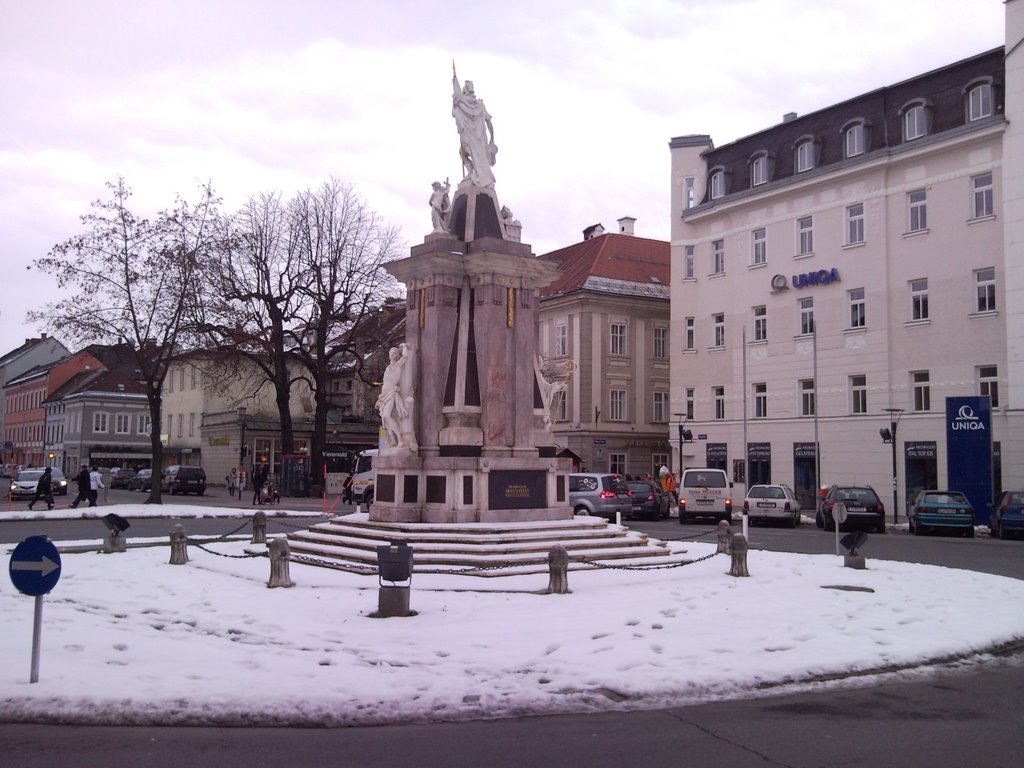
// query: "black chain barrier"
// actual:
[[246, 556], [658, 567]]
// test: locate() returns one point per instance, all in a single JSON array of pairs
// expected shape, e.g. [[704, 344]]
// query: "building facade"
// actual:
[[34, 353], [847, 272], [604, 332]]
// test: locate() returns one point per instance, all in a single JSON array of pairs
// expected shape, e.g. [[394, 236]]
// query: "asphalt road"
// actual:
[[969, 714]]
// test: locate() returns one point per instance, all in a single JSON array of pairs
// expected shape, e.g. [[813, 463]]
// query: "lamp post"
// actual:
[[889, 436]]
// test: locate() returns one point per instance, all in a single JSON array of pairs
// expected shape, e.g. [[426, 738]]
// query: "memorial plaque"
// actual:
[[436, 489], [517, 489], [385, 490]]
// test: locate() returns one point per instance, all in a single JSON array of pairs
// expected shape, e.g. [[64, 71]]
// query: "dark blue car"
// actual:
[[1008, 515]]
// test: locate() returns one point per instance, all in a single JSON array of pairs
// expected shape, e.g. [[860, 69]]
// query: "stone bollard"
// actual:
[[259, 528], [739, 555], [724, 537], [280, 553], [558, 567], [179, 545], [114, 541]]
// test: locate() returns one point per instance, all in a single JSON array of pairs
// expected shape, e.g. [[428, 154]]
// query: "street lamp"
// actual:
[[684, 436], [889, 436]]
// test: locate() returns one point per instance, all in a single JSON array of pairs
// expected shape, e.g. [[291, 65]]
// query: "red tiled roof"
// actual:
[[613, 256]]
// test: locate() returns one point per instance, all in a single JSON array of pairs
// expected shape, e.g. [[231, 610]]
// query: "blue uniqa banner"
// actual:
[[969, 452]]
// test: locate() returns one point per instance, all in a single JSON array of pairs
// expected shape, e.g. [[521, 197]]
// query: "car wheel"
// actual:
[[818, 520], [969, 533], [793, 522], [828, 524], [918, 529], [200, 493], [581, 510], [1002, 533]]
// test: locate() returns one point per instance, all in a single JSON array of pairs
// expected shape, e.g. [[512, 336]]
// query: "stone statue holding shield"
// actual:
[[476, 133]]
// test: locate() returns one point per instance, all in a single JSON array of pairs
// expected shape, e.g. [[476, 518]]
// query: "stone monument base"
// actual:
[[457, 489]]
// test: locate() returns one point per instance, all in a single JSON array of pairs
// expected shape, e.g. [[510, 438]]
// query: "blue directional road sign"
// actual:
[[35, 566]]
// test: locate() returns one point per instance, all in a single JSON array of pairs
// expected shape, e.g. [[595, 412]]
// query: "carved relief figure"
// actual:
[[397, 399], [476, 133]]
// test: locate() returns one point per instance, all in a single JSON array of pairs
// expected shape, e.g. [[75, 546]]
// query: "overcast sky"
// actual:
[[259, 96]]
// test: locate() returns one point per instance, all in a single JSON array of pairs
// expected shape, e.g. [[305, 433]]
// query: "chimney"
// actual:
[[626, 225], [594, 230], [789, 117]]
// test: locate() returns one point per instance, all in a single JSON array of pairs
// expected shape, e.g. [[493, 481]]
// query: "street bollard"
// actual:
[[724, 535], [259, 528], [114, 541], [280, 553], [179, 545], [739, 555], [558, 568]]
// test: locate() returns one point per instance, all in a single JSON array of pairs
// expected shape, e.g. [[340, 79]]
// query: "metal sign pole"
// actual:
[[37, 631]]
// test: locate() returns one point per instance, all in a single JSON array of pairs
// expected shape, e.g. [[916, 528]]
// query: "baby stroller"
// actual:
[[269, 494]]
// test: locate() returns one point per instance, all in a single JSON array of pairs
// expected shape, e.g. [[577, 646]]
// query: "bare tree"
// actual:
[[132, 281]]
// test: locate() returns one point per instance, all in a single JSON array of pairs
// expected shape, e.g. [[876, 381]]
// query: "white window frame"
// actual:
[[988, 383], [917, 210], [617, 339], [122, 424], [759, 247], [100, 422], [718, 257], [688, 256], [808, 397], [617, 463], [919, 299], [806, 313], [659, 408], [690, 334], [660, 341], [689, 192], [561, 340], [760, 396], [980, 102], [144, 424], [920, 383], [718, 397], [858, 314], [858, 394], [853, 140], [805, 156], [759, 171], [805, 236], [616, 405], [915, 122], [985, 289], [561, 406], [760, 315], [717, 184], [983, 196], [855, 224], [718, 326], [689, 395]]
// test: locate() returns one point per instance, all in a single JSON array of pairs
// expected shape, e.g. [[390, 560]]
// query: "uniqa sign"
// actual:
[[821, 277], [966, 420]]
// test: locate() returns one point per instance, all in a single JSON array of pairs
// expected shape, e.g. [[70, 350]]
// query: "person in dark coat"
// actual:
[[84, 486], [44, 489], [259, 477]]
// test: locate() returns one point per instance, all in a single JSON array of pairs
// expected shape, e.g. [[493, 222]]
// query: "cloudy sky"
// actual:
[[260, 96]]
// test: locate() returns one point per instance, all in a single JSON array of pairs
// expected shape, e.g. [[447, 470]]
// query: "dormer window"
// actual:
[[855, 138], [979, 100], [805, 154], [916, 119], [716, 183], [759, 169]]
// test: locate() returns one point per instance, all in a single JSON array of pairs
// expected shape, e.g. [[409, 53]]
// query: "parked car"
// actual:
[[1008, 515], [180, 478], [772, 502], [649, 501], [863, 508], [599, 494], [704, 493], [934, 510], [23, 486], [141, 481], [121, 478]]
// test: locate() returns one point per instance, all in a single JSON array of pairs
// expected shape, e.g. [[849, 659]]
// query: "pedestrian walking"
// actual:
[[259, 477], [346, 489], [231, 481], [44, 489], [84, 480], [96, 483]]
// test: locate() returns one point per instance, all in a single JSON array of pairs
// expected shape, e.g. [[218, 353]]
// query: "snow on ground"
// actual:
[[128, 638]]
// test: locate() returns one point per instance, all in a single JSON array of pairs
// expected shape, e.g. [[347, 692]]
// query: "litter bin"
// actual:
[[394, 564]]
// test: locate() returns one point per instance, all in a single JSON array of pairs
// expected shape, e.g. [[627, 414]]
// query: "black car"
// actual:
[[122, 478], [179, 478], [863, 508], [141, 481], [649, 501]]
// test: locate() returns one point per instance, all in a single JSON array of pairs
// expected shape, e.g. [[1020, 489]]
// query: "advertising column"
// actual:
[[969, 452]]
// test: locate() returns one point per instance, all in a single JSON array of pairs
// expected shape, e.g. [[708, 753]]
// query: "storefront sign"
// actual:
[[969, 451]]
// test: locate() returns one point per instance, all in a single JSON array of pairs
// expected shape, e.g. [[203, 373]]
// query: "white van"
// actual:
[[363, 478], [704, 493]]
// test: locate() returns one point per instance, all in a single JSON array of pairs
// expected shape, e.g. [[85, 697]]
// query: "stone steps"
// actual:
[[478, 549]]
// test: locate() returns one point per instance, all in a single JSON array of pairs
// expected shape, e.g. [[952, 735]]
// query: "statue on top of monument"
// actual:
[[476, 133]]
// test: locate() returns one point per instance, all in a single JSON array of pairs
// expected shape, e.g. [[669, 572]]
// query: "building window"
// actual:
[[99, 422], [688, 399], [718, 395], [718, 322], [759, 247], [689, 192], [855, 224], [618, 338], [983, 200], [804, 156], [857, 315], [192, 424], [759, 170], [660, 411], [661, 342], [915, 122], [181, 379], [717, 184], [761, 401], [919, 299], [145, 424], [617, 405], [985, 282], [170, 425], [561, 407], [858, 394], [688, 262], [853, 140], [979, 102], [122, 424], [170, 381], [690, 340], [806, 316], [760, 323], [807, 404], [718, 257], [988, 383], [805, 236], [181, 424], [561, 340], [193, 383], [917, 204], [922, 390], [617, 463]]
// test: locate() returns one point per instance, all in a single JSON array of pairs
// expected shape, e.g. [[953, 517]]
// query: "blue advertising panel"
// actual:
[[969, 452]]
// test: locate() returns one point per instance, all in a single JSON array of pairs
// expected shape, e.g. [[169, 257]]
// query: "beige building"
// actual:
[[604, 330], [850, 269]]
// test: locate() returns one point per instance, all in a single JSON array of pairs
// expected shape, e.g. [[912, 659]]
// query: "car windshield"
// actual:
[[704, 480], [766, 492], [944, 498], [862, 495], [30, 474], [640, 487]]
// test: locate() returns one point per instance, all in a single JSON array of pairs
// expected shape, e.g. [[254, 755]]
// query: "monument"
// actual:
[[465, 403]]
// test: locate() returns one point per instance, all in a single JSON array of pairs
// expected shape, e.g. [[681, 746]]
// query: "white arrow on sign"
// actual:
[[46, 566]]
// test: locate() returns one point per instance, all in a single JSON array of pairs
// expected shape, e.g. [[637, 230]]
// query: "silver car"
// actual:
[[772, 502], [24, 484], [599, 493]]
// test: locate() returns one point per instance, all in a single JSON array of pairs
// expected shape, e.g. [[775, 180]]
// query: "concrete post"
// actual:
[[558, 568], [724, 535], [179, 545], [739, 555], [280, 554], [259, 528], [114, 541]]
